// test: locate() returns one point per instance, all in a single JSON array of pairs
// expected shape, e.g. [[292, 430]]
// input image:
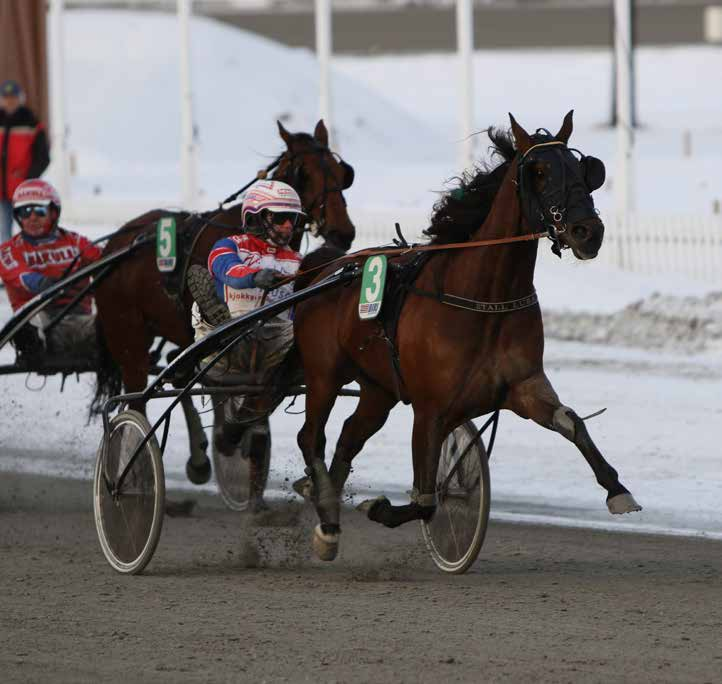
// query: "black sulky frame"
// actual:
[[234, 330], [98, 270]]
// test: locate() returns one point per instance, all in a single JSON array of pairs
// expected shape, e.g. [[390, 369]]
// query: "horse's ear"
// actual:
[[320, 133], [287, 137], [565, 132], [523, 139]]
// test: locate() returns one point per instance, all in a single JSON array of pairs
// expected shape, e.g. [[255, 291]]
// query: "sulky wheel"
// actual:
[[456, 532], [242, 479], [129, 519]]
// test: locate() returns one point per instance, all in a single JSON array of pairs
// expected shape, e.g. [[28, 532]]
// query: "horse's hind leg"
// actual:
[[198, 467], [129, 345], [535, 398], [426, 445]]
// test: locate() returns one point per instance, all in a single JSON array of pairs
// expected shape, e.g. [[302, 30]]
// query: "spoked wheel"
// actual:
[[128, 519], [242, 479], [456, 532]]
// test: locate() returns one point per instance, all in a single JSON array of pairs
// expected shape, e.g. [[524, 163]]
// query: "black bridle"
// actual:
[[566, 196], [293, 175]]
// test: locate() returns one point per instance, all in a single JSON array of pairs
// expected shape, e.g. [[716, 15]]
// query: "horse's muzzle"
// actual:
[[585, 238]]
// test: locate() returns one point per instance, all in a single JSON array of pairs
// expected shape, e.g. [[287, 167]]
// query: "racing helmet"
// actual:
[[35, 192], [272, 196]]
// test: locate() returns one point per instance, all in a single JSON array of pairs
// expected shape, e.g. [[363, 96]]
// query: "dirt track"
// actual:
[[223, 601]]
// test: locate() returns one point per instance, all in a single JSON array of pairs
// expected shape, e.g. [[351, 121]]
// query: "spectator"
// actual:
[[23, 150]]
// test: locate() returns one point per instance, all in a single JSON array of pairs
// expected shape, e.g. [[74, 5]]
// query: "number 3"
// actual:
[[373, 292]]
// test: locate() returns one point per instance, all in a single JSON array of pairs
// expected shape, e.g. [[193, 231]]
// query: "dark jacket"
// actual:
[[23, 150]]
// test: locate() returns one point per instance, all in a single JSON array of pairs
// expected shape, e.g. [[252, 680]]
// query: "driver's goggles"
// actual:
[[279, 218], [37, 209]]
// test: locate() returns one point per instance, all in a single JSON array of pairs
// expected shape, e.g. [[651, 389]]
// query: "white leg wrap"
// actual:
[[325, 545], [563, 423], [422, 499]]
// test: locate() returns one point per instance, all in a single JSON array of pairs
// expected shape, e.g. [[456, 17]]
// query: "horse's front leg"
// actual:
[[320, 398], [426, 444], [535, 398]]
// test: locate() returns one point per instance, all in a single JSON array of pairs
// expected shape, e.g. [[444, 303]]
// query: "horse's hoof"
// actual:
[[325, 545], [369, 504], [304, 488], [198, 474], [623, 503]]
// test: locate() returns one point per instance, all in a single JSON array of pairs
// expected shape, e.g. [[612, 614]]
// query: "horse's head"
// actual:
[[319, 176], [555, 189]]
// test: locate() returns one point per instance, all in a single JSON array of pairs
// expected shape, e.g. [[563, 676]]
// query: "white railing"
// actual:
[[685, 244]]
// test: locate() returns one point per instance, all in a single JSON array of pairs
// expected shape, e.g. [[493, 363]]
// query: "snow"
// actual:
[[395, 118], [396, 122]]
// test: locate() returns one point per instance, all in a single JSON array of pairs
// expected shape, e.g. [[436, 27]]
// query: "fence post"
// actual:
[[189, 170]]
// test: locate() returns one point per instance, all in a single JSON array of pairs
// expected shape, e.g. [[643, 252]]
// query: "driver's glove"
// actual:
[[268, 278]]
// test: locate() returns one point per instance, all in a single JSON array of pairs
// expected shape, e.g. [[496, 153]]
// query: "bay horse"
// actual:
[[136, 303], [456, 362]]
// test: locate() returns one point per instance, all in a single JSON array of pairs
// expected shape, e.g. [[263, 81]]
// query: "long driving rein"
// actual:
[[534, 205]]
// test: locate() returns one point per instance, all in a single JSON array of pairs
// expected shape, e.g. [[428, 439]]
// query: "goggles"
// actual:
[[279, 218], [37, 209]]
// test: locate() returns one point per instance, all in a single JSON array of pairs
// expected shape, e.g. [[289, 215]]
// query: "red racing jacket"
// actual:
[[23, 150], [29, 265]]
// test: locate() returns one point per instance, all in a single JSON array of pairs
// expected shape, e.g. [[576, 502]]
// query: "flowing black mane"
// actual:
[[461, 211]]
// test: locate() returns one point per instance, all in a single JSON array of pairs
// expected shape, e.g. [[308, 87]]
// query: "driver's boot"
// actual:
[[203, 290]]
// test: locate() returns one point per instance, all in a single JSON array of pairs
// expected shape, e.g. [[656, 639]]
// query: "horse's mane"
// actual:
[[461, 211]]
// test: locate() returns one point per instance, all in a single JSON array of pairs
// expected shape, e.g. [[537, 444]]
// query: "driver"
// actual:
[[38, 257], [245, 269]]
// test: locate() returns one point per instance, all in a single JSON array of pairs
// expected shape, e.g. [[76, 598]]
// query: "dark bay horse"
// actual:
[[137, 304], [458, 361]]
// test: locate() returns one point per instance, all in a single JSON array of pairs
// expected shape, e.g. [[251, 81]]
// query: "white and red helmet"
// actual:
[[36, 191], [274, 196]]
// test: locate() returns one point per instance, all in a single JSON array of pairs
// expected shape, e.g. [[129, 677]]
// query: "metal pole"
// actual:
[[56, 82], [323, 53], [188, 142], [465, 47], [624, 185]]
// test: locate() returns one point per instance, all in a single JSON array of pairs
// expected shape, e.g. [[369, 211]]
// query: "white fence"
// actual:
[[685, 244]]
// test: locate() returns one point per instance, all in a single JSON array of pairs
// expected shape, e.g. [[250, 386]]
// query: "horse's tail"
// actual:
[[324, 254], [108, 379]]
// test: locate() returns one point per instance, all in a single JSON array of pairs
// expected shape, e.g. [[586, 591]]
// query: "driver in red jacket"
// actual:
[[36, 258]]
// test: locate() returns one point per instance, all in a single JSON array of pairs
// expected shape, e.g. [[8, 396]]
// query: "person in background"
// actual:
[[23, 149], [35, 259]]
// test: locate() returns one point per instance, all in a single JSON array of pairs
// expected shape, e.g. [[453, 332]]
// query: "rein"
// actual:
[[402, 251]]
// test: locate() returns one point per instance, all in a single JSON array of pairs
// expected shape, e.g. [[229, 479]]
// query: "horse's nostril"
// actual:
[[580, 232]]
